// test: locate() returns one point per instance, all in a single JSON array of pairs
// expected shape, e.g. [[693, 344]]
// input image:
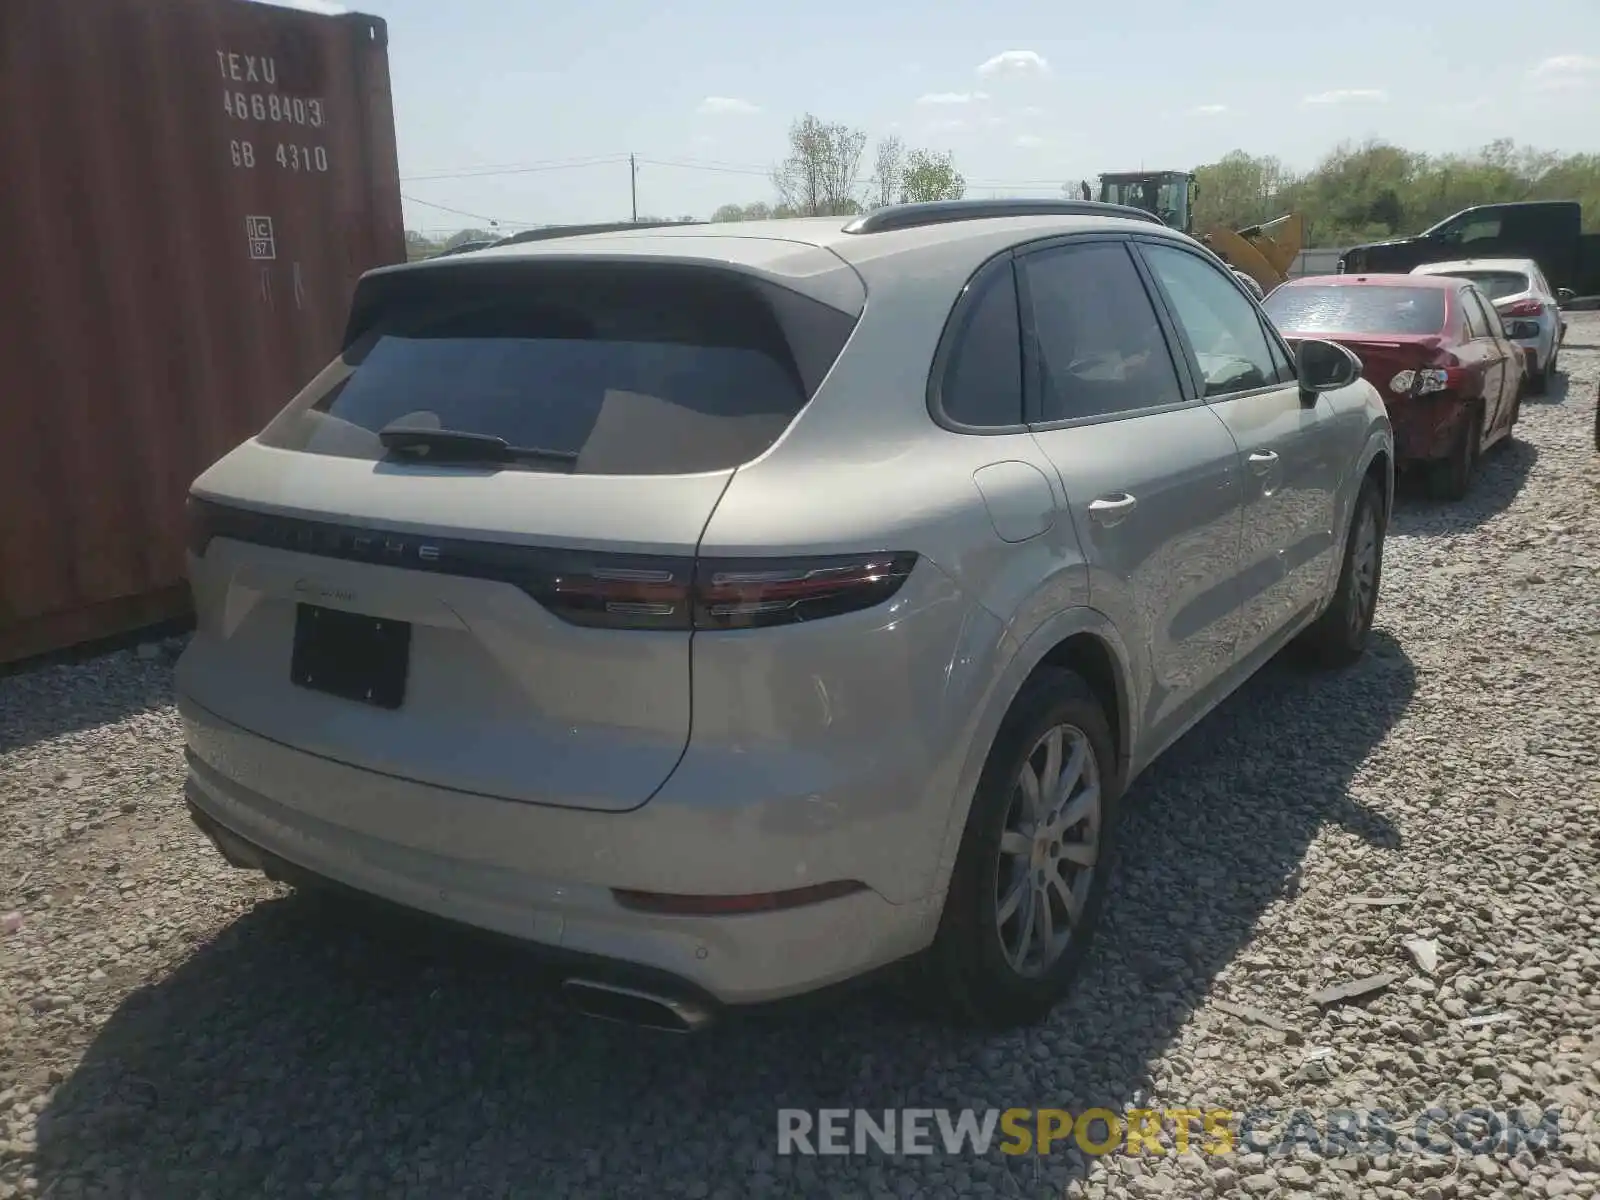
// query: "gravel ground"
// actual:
[[172, 1028]]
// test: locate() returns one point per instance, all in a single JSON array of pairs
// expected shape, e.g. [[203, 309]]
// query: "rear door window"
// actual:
[[641, 370], [982, 382], [1099, 347]]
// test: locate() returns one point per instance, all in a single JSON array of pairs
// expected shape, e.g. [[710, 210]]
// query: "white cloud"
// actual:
[[1015, 62], [1030, 110], [1347, 96], [952, 97], [1567, 71], [1028, 141], [725, 106], [1210, 110]]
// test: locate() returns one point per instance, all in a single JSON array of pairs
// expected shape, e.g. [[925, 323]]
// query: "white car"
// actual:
[[1519, 292], [658, 599]]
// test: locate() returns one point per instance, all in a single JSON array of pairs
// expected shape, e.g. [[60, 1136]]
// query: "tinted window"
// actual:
[[634, 370], [983, 378], [1221, 323], [1473, 229], [1474, 318], [1356, 308], [1495, 284], [1100, 347], [1282, 361]]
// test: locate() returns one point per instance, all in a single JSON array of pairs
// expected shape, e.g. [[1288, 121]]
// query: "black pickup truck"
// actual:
[[1548, 231]]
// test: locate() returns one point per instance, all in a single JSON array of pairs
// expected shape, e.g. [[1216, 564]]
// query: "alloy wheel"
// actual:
[[1048, 850]]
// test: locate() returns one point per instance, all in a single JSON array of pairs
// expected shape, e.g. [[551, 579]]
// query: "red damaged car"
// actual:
[[1435, 349]]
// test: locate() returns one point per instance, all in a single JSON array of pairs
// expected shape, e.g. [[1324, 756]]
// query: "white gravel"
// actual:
[[172, 1028]]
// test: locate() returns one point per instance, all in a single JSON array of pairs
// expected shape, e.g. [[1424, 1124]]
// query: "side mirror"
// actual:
[[1325, 366], [1565, 296], [1522, 331]]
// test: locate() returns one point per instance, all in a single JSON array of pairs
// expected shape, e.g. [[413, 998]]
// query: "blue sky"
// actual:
[[1024, 94]]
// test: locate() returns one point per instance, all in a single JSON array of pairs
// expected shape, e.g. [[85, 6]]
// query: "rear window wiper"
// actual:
[[458, 445]]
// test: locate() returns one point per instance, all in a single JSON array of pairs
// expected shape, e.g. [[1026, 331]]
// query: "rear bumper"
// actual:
[[1540, 349], [529, 872], [694, 1006], [1426, 427]]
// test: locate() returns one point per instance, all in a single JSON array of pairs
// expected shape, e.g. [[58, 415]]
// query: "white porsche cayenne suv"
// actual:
[[730, 611]]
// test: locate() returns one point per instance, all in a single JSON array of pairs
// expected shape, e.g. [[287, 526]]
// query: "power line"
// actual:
[[460, 212], [519, 168], [686, 164]]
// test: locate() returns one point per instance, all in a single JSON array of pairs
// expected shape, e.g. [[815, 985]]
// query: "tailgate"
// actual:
[[463, 555]]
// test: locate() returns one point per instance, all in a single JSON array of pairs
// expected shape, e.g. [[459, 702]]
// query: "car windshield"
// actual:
[[1345, 308], [1496, 285]]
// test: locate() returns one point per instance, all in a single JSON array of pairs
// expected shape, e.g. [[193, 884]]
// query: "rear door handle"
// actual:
[[1263, 461], [1109, 510]]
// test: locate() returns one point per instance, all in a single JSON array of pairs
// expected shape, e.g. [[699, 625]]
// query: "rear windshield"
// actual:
[[1357, 308], [1496, 285], [634, 369]]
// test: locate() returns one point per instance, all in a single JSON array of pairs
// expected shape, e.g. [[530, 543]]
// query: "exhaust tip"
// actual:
[[629, 1006]]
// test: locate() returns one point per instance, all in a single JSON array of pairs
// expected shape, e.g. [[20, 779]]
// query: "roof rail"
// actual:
[[939, 212], [561, 231]]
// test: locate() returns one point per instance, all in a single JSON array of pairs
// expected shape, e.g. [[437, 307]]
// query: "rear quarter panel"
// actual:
[[914, 700]]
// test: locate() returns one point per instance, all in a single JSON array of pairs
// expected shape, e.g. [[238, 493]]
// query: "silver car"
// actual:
[[1519, 292], [734, 610]]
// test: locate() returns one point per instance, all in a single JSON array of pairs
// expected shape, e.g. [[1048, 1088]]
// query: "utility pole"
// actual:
[[633, 186]]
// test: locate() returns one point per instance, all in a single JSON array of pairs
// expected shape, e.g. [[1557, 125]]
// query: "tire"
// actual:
[[1451, 479], [1511, 421], [1539, 381], [973, 963], [1339, 636]]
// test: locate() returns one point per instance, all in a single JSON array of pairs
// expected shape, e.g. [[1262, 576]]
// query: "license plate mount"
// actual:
[[351, 655]]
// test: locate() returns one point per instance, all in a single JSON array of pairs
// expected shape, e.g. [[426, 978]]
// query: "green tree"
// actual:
[[931, 176], [469, 235], [1375, 189], [888, 173], [1238, 190], [759, 211], [818, 177], [419, 246]]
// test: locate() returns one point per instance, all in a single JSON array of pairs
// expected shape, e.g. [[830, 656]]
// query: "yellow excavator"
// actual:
[[1262, 253]]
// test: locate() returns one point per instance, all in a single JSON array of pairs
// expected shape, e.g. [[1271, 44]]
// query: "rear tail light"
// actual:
[[1522, 308], [1429, 379], [746, 593], [617, 592]]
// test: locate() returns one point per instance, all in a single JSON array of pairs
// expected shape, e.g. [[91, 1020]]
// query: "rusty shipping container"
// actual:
[[189, 191]]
